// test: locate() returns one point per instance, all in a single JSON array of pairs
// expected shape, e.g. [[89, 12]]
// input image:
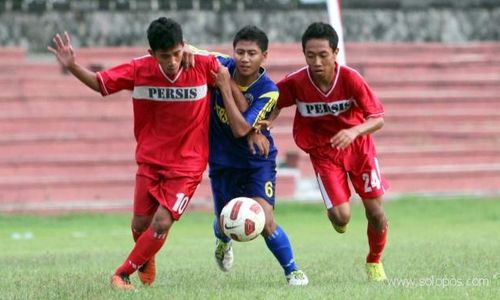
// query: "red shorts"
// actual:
[[358, 162], [170, 189]]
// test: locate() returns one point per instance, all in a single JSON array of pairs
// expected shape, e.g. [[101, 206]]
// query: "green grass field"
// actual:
[[446, 249]]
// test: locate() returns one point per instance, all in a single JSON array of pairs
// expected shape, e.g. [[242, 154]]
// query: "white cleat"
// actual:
[[296, 278], [224, 255]]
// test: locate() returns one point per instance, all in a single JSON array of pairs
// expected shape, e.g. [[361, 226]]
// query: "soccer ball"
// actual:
[[242, 219]]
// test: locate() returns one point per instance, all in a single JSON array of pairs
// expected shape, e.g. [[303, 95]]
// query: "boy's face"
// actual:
[[320, 58], [170, 59], [248, 57]]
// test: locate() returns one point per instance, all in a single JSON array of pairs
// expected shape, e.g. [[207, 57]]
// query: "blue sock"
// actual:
[[219, 234], [280, 246]]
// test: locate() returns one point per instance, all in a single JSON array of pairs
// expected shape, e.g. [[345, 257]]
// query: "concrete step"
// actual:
[[472, 179], [97, 192], [63, 148], [17, 127], [64, 169], [95, 107], [445, 94], [397, 117], [416, 135], [458, 153], [446, 180]]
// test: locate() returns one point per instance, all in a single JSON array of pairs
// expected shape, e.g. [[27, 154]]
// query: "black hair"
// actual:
[[164, 33], [254, 34], [319, 30]]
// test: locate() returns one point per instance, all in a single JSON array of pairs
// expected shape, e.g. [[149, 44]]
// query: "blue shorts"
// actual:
[[229, 183]]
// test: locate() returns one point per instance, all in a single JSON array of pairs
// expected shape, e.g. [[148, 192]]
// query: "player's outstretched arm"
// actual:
[[346, 136], [237, 122], [66, 56]]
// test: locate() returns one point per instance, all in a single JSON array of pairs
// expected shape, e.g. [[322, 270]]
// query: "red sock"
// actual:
[[376, 241], [146, 246]]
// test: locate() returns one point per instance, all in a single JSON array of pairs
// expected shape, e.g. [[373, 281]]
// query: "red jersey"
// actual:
[[319, 116], [171, 116]]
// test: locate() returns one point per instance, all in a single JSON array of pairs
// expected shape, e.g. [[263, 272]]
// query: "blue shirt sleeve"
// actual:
[[226, 61], [263, 103]]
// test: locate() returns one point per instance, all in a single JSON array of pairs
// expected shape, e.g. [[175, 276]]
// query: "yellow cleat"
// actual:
[[375, 272], [340, 229]]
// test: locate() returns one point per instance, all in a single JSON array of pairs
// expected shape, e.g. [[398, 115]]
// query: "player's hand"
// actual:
[[222, 77], [256, 139], [263, 125], [187, 57], [344, 138], [63, 50]]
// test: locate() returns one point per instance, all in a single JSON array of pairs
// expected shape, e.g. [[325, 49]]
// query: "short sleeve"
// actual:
[[286, 93], [261, 107], [118, 78], [366, 99], [226, 61], [213, 66]]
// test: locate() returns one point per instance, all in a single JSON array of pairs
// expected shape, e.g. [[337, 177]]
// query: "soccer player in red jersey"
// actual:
[[336, 111], [171, 125]]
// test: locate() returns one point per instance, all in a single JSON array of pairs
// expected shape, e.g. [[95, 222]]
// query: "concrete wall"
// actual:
[[32, 27]]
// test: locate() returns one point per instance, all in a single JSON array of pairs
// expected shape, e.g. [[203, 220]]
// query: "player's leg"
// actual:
[[148, 244], [144, 208], [260, 185], [370, 185], [377, 238], [223, 182], [334, 188], [147, 272], [173, 194]]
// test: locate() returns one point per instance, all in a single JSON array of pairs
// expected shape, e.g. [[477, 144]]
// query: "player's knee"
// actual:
[[140, 223], [377, 219], [270, 226], [340, 221], [339, 217], [162, 223], [161, 226]]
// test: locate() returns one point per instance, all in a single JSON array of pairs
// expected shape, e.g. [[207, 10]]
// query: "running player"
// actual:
[[336, 112], [234, 170], [171, 126]]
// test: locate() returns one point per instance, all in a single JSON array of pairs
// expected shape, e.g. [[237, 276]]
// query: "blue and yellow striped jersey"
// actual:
[[225, 149]]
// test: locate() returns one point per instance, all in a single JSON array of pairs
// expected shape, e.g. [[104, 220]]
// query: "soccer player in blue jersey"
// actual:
[[235, 170]]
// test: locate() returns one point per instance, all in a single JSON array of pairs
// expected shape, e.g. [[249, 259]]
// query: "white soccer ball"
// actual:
[[242, 219]]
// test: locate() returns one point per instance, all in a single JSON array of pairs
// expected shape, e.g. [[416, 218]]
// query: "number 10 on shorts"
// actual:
[[180, 203]]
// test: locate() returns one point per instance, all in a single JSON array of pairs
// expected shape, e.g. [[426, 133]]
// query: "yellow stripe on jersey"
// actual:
[[273, 98], [201, 51]]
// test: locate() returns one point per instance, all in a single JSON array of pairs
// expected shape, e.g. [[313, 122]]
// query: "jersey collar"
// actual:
[[168, 78], [262, 71], [337, 72]]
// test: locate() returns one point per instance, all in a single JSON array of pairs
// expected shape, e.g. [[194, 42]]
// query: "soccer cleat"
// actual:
[[147, 272], [375, 272], [340, 229], [122, 282], [296, 278], [224, 255]]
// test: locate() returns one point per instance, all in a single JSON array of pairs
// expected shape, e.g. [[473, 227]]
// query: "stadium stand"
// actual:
[[62, 147]]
